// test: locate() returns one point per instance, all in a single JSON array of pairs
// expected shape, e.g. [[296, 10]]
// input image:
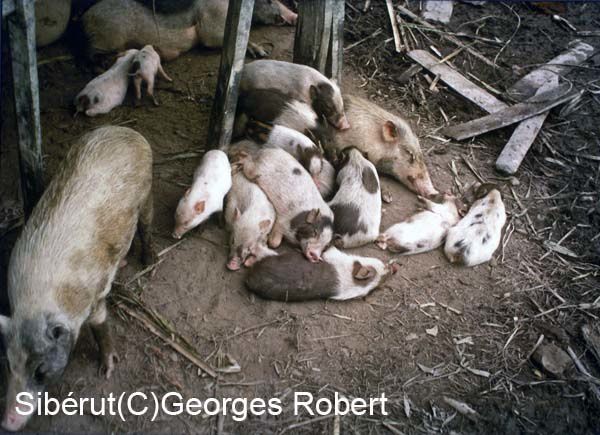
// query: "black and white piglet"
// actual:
[[423, 231], [339, 276], [476, 237], [357, 203]]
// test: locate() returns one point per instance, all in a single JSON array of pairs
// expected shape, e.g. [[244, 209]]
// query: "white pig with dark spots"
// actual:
[[357, 204], [339, 276], [144, 68], [212, 181], [423, 231], [108, 90], [299, 82], [477, 236], [63, 264], [387, 140], [250, 217], [303, 217]]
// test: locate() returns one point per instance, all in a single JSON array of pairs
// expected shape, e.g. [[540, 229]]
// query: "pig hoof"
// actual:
[[381, 244], [155, 102], [257, 51], [108, 364]]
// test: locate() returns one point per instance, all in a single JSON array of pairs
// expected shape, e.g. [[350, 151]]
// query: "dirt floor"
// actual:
[[482, 322]]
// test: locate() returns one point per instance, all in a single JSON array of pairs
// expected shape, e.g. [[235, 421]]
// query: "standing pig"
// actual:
[[145, 66], [357, 204], [423, 231], [108, 90], [303, 217], [212, 181], [300, 147], [476, 237], [63, 265], [339, 276], [387, 140], [299, 82], [250, 217]]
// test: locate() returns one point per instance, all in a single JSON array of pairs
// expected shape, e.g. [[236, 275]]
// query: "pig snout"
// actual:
[[178, 233], [249, 262], [392, 268], [234, 264], [342, 123], [422, 185], [12, 420], [313, 255]]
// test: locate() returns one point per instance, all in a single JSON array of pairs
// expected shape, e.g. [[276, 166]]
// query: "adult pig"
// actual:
[[387, 140], [63, 264], [51, 19]]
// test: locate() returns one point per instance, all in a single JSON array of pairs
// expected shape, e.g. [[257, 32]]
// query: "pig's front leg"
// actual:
[[276, 236], [256, 51], [103, 336]]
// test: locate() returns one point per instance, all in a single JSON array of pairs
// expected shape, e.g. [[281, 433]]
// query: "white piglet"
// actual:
[[425, 230], [212, 181], [144, 68], [108, 90], [476, 237]]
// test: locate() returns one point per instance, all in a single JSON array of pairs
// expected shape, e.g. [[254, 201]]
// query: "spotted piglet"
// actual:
[[425, 230], [476, 237], [357, 204]]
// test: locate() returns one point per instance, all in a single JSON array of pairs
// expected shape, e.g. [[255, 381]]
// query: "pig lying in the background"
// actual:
[[301, 147], [176, 27], [63, 264], [476, 237], [144, 68], [108, 90], [250, 217], [303, 217], [274, 107], [357, 204], [212, 181], [387, 140], [299, 82], [339, 276], [425, 230]]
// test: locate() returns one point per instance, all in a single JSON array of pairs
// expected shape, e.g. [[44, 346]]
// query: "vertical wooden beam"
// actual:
[[313, 33], [235, 43], [335, 56], [21, 30]]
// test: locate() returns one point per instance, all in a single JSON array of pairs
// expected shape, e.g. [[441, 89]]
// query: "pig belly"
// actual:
[[416, 238]]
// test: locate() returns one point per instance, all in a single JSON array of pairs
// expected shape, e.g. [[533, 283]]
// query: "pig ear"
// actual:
[[4, 324], [264, 224], [389, 131], [199, 206], [187, 192], [361, 272], [313, 215]]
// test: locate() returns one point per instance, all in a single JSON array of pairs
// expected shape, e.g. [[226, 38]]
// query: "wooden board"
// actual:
[[534, 106], [436, 10], [313, 33], [235, 43], [335, 58], [522, 138], [458, 82]]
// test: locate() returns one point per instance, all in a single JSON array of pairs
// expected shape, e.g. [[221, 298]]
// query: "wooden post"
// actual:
[[313, 33], [235, 43], [21, 30], [335, 57]]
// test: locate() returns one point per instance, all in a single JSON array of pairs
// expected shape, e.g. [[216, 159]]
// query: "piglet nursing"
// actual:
[[108, 90], [476, 237], [339, 276], [212, 181], [144, 68], [423, 231]]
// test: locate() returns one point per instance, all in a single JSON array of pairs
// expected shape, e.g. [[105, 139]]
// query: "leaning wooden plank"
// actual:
[[458, 82], [394, 23], [313, 33], [440, 11], [235, 43], [577, 53], [449, 38], [534, 106], [519, 143], [8, 7], [335, 57], [21, 29]]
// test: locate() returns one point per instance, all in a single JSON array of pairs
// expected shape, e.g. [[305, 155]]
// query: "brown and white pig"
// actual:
[[387, 140], [250, 217], [212, 181], [357, 204], [108, 90], [299, 82], [339, 276], [63, 264], [144, 68], [476, 237], [425, 230], [303, 217], [300, 147], [274, 107]]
